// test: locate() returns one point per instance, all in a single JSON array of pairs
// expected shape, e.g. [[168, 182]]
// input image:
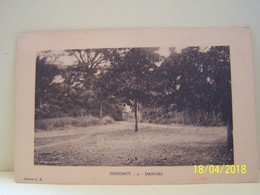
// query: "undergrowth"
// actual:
[[63, 122]]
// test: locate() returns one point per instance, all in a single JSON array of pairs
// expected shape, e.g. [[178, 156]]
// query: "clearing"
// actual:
[[118, 145]]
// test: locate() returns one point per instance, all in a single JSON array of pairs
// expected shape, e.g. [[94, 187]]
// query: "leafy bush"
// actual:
[[106, 120]]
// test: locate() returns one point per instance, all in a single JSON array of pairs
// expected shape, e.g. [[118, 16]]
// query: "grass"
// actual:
[[64, 122]]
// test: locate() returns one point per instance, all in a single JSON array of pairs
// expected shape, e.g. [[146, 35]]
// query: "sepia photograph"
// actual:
[[150, 106]]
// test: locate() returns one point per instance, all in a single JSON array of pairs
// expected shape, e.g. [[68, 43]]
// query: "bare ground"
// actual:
[[118, 145]]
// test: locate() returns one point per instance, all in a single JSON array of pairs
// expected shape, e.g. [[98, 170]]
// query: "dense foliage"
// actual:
[[192, 86]]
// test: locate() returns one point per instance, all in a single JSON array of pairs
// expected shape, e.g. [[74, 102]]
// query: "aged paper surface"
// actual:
[[136, 106]]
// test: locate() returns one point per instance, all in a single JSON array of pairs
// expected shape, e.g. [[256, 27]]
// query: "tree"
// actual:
[[130, 76], [90, 61], [45, 73], [90, 64], [196, 79], [217, 65], [181, 82]]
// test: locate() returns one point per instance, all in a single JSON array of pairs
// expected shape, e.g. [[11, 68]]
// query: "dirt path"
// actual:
[[118, 145], [83, 133], [76, 135]]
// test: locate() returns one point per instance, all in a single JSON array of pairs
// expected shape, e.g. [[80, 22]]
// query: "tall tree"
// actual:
[[217, 65], [197, 79], [90, 60], [90, 63], [130, 77], [45, 73]]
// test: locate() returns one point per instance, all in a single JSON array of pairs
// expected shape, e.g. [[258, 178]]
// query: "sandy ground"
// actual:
[[118, 145]]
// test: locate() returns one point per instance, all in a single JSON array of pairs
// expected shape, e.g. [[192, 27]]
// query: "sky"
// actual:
[[164, 51], [57, 58]]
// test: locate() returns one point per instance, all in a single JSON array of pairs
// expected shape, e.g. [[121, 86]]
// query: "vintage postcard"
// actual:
[[136, 106]]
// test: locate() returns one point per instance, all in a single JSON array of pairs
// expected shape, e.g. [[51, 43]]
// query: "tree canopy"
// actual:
[[191, 86]]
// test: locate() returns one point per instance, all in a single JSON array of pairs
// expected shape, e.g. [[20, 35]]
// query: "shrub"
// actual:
[[198, 117], [61, 123], [106, 120]]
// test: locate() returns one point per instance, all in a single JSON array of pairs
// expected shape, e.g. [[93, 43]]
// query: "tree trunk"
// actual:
[[229, 135], [136, 117], [101, 110]]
